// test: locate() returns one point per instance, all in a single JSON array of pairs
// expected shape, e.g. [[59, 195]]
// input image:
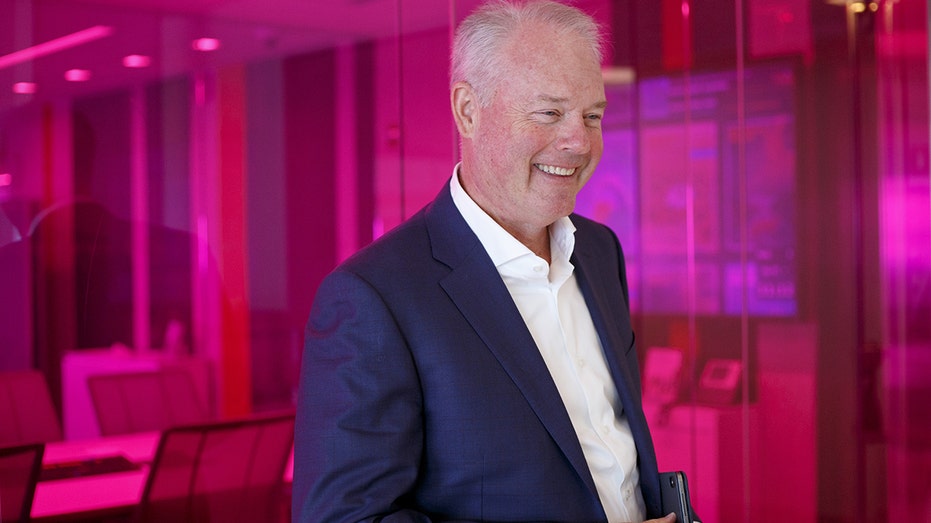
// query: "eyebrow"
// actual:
[[559, 99]]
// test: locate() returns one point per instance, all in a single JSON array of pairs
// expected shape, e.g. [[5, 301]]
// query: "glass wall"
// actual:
[[177, 177]]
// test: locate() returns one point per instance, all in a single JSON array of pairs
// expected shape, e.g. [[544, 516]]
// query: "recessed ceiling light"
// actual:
[[24, 87], [136, 61], [77, 75], [206, 44]]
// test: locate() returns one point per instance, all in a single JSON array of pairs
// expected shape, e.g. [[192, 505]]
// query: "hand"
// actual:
[[668, 518]]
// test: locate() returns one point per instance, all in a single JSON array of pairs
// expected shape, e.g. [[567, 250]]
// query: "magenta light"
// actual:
[[206, 44], [24, 87], [77, 75], [53, 46], [136, 61], [6, 179]]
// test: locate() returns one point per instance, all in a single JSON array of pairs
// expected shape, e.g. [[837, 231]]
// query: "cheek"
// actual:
[[597, 138], [512, 144], [505, 149], [597, 144], [493, 138]]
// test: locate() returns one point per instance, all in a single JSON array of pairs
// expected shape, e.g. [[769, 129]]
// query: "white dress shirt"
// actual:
[[549, 299]]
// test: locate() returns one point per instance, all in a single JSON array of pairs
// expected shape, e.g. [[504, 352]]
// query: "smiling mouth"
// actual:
[[552, 169]]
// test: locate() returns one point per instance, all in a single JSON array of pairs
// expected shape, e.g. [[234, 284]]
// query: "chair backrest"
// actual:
[[145, 401], [19, 471], [226, 471], [27, 414]]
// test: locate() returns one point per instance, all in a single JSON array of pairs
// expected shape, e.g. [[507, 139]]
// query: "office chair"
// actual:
[[19, 471], [26, 409], [228, 471], [145, 401]]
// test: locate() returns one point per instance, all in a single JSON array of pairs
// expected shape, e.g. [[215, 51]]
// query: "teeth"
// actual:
[[552, 169]]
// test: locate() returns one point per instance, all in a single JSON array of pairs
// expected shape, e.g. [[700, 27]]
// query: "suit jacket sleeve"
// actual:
[[355, 421]]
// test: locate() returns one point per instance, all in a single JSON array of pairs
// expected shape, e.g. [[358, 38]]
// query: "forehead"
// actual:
[[542, 48], [552, 66]]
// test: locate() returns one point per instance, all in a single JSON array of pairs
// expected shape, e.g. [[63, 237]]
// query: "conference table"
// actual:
[[91, 483]]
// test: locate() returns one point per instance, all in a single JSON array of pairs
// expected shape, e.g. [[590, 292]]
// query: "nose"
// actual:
[[575, 136]]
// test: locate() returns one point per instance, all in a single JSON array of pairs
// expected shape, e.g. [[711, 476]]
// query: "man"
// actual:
[[477, 363]]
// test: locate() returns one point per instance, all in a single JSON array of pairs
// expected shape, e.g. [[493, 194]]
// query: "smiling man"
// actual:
[[477, 363], [530, 134]]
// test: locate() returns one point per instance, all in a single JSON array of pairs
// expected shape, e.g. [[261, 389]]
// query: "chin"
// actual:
[[561, 211]]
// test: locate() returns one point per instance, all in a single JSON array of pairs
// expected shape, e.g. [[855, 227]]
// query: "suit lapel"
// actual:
[[609, 313], [476, 288]]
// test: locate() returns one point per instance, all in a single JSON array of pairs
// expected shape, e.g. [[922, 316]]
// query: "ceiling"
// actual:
[[42, 39]]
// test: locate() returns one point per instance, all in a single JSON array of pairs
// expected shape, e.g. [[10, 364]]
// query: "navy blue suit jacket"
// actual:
[[424, 398]]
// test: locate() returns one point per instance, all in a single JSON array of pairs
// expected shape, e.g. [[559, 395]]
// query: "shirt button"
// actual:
[[538, 268]]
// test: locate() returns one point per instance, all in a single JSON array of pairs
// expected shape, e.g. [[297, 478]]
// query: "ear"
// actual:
[[464, 104]]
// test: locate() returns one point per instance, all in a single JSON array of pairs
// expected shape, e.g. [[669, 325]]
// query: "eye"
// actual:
[[593, 120], [549, 115]]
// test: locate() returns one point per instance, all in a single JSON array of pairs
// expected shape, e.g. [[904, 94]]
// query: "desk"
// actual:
[[101, 495], [110, 494]]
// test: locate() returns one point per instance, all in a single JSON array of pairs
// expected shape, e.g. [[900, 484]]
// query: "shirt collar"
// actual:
[[500, 245]]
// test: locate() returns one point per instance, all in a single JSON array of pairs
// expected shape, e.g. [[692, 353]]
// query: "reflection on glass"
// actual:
[[768, 181]]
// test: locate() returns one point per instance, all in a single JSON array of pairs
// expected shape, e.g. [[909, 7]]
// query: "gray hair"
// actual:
[[476, 56]]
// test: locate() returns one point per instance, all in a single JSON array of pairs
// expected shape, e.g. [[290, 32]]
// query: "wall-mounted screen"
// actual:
[[693, 206]]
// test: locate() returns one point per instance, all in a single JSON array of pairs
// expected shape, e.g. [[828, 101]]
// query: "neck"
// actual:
[[537, 240]]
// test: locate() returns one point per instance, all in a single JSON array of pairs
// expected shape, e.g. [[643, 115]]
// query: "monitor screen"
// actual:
[[701, 196]]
